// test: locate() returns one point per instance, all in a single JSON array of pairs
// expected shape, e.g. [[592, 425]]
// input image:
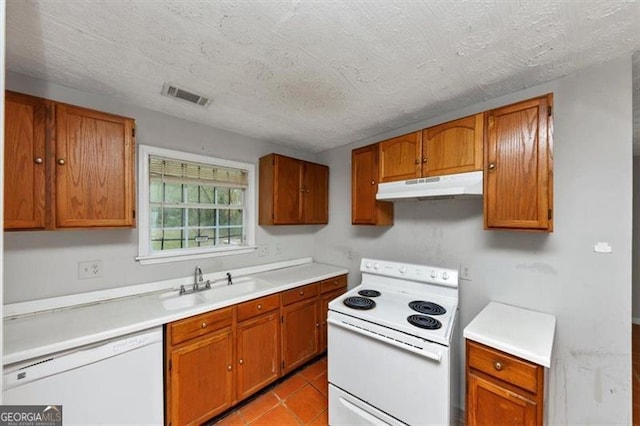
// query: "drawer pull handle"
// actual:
[[497, 365], [259, 306], [229, 367], [241, 361], [61, 161], [373, 182], [492, 166], [301, 293], [203, 325], [38, 160]]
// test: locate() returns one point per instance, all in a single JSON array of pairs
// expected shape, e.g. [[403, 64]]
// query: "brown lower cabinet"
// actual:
[[217, 359], [502, 389]]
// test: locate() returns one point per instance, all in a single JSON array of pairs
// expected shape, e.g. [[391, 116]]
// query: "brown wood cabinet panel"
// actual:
[[292, 191], [316, 193], [94, 166], [300, 325], [335, 283], [502, 389], [365, 209], [258, 353], [200, 381], [400, 157], [299, 293], [491, 404], [199, 325], [325, 298], [259, 306], [453, 147], [518, 190], [24, 162]]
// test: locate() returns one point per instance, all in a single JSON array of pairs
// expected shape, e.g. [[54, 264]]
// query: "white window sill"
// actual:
[[177, 257]]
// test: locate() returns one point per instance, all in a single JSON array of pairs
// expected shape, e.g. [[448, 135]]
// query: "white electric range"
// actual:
[[390, 346]]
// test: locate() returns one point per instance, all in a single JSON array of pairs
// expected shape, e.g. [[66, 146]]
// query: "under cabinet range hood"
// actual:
[[446, 186]]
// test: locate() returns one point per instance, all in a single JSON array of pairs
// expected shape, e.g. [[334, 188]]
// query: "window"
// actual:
[[193, 206]]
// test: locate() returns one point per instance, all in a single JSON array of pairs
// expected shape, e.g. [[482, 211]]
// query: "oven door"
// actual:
[[406, 377]]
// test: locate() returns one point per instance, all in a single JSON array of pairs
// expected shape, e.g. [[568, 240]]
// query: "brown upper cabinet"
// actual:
[[292, 191], [365, 209], [67, 167], [452, 147], [24, 162], [518, 181]]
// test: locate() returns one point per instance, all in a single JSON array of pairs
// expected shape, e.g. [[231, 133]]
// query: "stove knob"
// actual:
[[434, 274], [367, 265], [376, 266], [403, 270], [445, 276]]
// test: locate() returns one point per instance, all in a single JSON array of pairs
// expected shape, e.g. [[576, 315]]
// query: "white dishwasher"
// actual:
[[114, 382]]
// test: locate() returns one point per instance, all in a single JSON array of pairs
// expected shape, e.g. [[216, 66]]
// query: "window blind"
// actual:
[[166, 169]]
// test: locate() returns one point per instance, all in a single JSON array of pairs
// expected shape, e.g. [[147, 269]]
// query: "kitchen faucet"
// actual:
[[197, 279]]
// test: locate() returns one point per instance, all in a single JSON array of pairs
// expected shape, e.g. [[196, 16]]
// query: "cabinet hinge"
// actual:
[[170, 365], [282, 319], [549, 214], [133, 212], [283, 365], [133, 132], [549, 111]]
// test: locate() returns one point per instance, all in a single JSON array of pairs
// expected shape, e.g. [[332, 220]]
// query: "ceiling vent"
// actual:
[[174, 91]]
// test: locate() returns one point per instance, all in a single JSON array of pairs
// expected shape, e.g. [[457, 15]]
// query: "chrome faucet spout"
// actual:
[[197, 278]]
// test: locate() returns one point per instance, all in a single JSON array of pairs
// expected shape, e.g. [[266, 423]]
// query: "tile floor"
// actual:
[[635, 358], [301, 399]]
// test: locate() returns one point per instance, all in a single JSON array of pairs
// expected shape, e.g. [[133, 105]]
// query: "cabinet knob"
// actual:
[[417, 161], [317, 325], [373, 182], [259, 306], [203, 325], [241, 362], [308, 190], [301, 189], [229, 367], [301, 293], [61, 161], [497, 365], [492, 166], [37, 160], [424, 159]]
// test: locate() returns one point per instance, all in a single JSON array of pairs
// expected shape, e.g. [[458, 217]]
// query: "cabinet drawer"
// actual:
[[503, 366], [199, 325], [333, 283], [256, 307], [299, 293]]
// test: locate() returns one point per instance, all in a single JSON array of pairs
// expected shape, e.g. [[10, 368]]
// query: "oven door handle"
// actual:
[[389, 341], [370, 418]]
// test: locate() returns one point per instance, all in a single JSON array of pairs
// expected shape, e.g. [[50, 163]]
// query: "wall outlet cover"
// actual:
[[89, 269]]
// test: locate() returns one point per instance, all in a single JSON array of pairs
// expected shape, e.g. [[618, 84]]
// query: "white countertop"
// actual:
[[45, 333], [516, 331]]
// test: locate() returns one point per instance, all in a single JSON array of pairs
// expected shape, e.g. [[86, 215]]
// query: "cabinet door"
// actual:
[[453, 147], [300, 326], [491, 404], [258, 353], [365, 209], [517, 177], [94, 168], [400, 157], [201, 382], [316, 193], [24, 162], [287, 190], [324, 308]]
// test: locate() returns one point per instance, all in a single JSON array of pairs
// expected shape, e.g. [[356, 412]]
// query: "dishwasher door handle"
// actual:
[[435, 356]]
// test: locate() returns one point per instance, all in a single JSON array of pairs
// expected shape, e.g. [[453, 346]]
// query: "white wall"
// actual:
[[589, 293], [43, 264], [2, 56]]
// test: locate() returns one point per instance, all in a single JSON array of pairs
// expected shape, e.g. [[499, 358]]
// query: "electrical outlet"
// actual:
[[465, 272], [263, 250], [89, 269]]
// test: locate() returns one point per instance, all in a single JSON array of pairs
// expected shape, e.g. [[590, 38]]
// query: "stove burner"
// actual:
[[361, 303], [424, 321], [429, 308], [369, 293]]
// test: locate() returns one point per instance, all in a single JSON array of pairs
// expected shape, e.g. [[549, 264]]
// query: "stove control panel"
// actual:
[[408, 271]]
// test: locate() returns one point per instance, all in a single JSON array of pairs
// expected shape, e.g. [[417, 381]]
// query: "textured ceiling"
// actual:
[[315, 74]]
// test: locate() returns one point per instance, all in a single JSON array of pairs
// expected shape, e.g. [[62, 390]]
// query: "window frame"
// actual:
[[145, 254]]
